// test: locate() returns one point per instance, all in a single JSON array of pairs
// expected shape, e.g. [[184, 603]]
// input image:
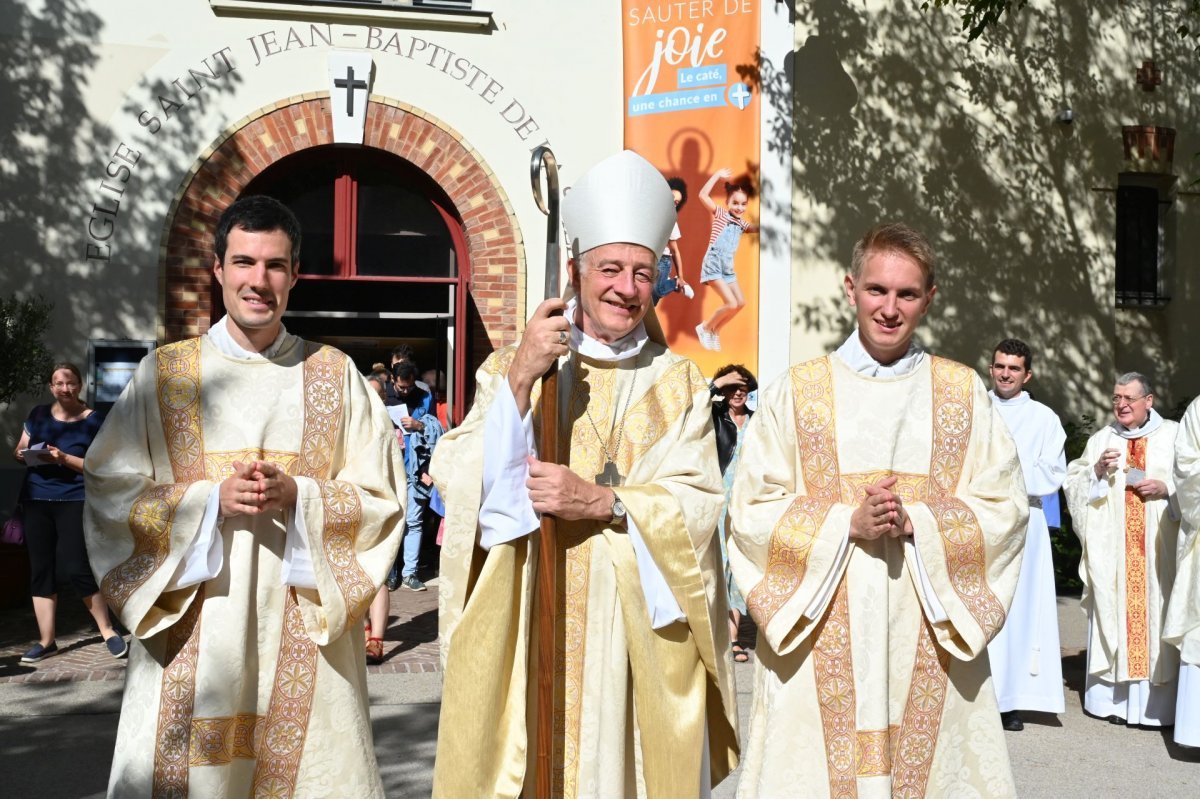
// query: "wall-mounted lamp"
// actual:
[[1065, 116]]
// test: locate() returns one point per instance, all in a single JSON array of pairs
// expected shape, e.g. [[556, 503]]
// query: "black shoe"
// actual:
[[116, 646], [1011, 721], [1115, 720], [39, 652], [393, 581]]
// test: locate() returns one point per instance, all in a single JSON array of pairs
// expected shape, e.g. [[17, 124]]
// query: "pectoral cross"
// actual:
[[610, 476]]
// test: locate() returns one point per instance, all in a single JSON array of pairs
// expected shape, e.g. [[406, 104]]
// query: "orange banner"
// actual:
[[692, 110]]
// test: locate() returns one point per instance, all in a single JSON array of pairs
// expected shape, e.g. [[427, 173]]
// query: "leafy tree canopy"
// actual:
[[24, 360], [979, 15]]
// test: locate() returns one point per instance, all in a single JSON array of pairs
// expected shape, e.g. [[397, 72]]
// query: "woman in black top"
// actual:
[[53, 504], [730, 388]]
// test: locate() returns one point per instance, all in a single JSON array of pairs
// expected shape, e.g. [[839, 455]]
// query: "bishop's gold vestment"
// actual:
[[634, 706], [872, 677], [239, 685]]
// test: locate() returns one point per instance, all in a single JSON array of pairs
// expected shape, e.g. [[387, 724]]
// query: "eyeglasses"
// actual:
[[729, 391], [1118, 400]]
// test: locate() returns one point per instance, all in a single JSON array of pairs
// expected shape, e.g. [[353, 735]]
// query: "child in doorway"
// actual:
[[670, 263], [717, 267]]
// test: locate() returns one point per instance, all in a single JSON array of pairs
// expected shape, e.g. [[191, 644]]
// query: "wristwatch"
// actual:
[[618, 512]]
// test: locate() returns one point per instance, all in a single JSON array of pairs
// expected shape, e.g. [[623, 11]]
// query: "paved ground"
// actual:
[[58, 719]]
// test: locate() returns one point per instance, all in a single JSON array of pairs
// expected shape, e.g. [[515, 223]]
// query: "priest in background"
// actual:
[[1119, 495], [878, 522], [644, 700], [1182, 627], [1025, 656], [244, 503]]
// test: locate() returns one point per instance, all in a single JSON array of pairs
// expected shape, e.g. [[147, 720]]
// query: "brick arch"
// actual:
[[249, 146]]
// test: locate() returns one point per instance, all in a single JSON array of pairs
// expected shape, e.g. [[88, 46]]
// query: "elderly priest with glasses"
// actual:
[[1121, 496], [643, 699]]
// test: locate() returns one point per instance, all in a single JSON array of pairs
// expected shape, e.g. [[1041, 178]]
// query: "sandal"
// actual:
[[375, 650], [740, 655]]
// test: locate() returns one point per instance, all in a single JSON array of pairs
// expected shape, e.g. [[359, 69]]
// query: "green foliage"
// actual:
[[24, 360], [979, 15], [1064, 544]]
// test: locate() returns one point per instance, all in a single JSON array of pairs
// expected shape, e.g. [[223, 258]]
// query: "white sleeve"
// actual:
[[297, 566], [929, 601], [506, 513], [205, 556], [660, 601], [822, 598], [1099, 488]]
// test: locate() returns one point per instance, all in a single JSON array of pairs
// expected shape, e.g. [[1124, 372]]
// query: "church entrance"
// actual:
[[408, 238], [383, 260]]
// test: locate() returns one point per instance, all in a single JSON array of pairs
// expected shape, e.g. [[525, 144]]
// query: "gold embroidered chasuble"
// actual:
[[857, 692], [1129, 558], [239, 685], [632, 704]]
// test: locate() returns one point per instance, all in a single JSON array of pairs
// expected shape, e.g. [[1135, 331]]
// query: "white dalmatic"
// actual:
[[1025, 657], [1182, 627]]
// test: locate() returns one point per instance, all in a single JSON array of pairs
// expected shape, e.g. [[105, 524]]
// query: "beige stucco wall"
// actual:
[[897, 117], [108, 63]]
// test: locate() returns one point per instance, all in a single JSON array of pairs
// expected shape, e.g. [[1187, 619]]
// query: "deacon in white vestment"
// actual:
[[1120, 495], [877, 522], [643, 700], [1025, 656], [244, 503], [1182, 627]]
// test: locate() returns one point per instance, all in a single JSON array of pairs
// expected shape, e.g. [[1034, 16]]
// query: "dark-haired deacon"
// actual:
[[1025, 657], [243, 506], [878, 522]]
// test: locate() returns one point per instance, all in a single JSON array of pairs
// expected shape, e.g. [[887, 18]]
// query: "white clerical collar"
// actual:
[[628, 346], [219, 337], [1020, 399], [857, 358], [1153, 422]]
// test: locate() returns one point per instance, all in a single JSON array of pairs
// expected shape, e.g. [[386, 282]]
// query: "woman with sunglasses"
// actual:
[[731, 389]]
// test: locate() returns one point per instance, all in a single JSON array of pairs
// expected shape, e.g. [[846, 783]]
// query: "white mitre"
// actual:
[[621, 199]]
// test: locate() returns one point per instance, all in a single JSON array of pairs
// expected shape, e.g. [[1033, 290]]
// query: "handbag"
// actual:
[[14, 529]]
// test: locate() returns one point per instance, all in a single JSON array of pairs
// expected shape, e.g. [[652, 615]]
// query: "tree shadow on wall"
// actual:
[[896, 117], [53, 159], [47, 141]]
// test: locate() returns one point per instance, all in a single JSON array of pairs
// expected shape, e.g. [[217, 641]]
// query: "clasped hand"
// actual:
[[881, 513], [255, 488]]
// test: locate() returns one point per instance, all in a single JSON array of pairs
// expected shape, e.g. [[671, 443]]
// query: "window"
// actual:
[[1144, 242]]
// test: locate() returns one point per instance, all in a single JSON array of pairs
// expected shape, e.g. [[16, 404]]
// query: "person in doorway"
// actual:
[[420, 431]]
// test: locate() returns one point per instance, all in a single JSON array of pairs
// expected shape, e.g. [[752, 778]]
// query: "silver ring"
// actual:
[[562, 337]]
